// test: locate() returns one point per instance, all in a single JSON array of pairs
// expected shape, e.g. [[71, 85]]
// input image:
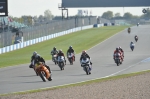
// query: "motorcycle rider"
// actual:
[[71, 50], [60, 53], [54, 52], [118, 51], [37, 58], [84, 54], [131, 44], [136, 37], [121, 51], [129, 30]]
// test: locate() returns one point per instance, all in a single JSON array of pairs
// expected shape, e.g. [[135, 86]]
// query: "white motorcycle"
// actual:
[[61, 61], [85, 63]]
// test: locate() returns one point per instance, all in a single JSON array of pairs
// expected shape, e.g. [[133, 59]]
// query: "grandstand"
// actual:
[[7, 24]]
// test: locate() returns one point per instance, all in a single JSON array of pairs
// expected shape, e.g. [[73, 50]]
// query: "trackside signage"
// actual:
[[3, 7], [104, 3]]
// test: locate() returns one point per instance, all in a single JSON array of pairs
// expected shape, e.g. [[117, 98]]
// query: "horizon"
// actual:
[[17, 8]]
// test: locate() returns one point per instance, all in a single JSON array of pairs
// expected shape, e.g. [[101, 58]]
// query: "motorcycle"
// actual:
[[61, 61], [54, 59], [33, 66], [132, 47], [71, 58], [43, 72], [136, 38], [129, 30], [85, 63], [118, 59]]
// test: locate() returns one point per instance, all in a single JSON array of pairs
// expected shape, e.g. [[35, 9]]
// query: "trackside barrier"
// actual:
[[40, 39]]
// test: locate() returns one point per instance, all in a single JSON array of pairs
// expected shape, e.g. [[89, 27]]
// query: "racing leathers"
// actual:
[[54, 52], [61, 54], [85, 55], [38, 59], [118, 51], [71, 51]]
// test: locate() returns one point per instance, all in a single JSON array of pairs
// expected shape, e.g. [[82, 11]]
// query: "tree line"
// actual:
[[32, 20], [127, 15]]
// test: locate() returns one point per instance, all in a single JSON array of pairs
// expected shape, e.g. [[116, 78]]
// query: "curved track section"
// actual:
[[22, 78]]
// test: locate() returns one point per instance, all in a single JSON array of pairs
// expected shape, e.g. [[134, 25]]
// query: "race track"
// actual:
[[22, 78]]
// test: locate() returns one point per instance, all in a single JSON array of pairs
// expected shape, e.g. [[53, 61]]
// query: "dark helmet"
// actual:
[[37, 55], [54, 48], [84, 52], [60, 51], [131, 42], [70, 47], [34, 53], [117, 49]]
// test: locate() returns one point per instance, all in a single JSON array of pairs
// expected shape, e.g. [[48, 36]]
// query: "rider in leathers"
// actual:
[[60, 53], [121, 51], [84, 54], [118, 51], [54, 52], [37, 58], [71, 50]]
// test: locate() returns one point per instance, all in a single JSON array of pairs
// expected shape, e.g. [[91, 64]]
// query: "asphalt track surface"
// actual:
[[22, 78]]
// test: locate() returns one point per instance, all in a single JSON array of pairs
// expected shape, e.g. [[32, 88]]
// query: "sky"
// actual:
[[18, 8]]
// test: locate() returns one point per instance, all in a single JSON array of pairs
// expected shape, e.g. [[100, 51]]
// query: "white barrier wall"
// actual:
[[37, 40]]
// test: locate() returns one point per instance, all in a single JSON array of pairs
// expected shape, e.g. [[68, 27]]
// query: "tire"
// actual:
[[87, 70], [61, 66], [42, 77], [117, 62], [71, 61]]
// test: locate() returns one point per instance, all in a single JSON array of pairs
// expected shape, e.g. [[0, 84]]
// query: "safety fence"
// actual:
[[43, 38]]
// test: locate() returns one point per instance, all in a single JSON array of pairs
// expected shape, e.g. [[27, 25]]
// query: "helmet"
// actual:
[[117, 49], [84, 52], [70, 47], [36, 56], [34, 53], [131, 42], [54, 48], [60, 51]]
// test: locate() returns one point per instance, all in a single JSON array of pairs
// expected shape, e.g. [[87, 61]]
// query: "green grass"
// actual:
[[81, 40], [81, 83]]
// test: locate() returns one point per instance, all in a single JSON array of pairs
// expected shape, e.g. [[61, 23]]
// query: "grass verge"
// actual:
[[81, 40], [81, 83]]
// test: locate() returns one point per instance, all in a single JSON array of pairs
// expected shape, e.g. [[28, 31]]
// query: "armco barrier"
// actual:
[[37, 40]]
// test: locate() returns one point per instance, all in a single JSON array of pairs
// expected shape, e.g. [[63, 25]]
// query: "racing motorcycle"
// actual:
[[85, 63], [54, 58], [43, 72], [33, 66], [71, 58], [132, 47], [118, 59], [61, 61], [136, 38], [129, 30]]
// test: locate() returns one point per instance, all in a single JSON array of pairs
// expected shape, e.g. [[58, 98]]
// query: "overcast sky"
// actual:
[[18, 8]]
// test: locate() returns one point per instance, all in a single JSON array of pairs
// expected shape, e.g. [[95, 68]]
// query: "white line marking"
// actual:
[[87, 80]]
